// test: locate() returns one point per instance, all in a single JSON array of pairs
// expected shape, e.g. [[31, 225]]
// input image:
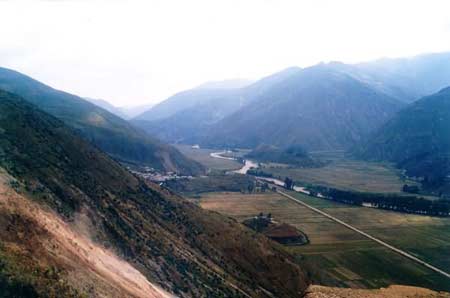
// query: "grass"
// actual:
[[21, 276], [344, 173], [426, 237], [338, 256], [188, 251], [195, 186], [203, 157]]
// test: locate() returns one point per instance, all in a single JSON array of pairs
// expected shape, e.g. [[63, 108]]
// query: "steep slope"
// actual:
[[55, 244], [318, 108], [172, 243], [135, 110], [107, 106], [185, 100], [416, 139], [406, 79], [107, 131], [192, 116], [186, 116], [190, 124]]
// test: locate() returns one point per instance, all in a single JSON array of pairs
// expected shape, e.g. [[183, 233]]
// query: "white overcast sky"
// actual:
[[134, 52]]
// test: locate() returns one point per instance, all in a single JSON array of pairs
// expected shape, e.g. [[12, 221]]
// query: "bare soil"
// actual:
[[89, 265]]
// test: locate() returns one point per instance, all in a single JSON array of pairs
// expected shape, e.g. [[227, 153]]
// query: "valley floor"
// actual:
[[338, 256], [344, 173]]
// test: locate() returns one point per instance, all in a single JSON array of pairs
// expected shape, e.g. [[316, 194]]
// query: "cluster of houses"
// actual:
[[153, 175]]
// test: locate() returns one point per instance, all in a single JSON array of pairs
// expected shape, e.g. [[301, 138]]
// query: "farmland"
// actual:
[[340, 257], [346, 174], [202, 156]]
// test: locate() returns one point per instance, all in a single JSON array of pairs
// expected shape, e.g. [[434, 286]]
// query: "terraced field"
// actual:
[[338, 256]]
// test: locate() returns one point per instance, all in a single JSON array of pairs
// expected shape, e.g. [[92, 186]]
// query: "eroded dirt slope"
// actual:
[[89, 267]]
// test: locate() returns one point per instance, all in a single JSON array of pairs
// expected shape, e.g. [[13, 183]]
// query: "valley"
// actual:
[[346, 173], [224, 149], [344, 257], [338, 171], [204, 157]]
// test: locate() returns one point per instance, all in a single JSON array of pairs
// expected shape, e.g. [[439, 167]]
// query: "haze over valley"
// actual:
[[224, 149]]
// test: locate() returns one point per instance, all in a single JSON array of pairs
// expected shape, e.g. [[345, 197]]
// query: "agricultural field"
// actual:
[[344, 173], [203, 156], [337, 256], [213, 182]]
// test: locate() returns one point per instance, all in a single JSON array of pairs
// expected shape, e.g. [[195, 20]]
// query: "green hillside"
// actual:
[[317, 108], [184, 249], [417, 139], [100, 127]]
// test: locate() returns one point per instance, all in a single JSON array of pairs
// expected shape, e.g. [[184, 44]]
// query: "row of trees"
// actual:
[[408, 204], [256, 187]]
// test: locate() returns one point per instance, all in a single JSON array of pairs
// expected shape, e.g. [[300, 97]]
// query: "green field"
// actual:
[[338, 256], [425, 237], [344, 173], [203, 156]]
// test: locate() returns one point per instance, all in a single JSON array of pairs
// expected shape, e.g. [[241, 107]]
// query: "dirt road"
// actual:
[[397, 250]]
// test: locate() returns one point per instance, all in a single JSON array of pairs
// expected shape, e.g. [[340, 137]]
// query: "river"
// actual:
[[249, 164]]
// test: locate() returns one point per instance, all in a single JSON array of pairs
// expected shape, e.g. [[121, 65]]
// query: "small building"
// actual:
[[280, 232], [285, 234]]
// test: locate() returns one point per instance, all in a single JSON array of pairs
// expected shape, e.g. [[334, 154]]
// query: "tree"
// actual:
[[265, 187], [250, 188], [288, 183]]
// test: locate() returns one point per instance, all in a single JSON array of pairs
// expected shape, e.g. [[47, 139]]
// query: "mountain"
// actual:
[[107, 106], [406, 79], [186, 116], [100, 127], [75, 223], [417, 139], [133, 111], [225, 84], [211, 116], [125, 112], [187, 125], [317, 108], [186, 100]]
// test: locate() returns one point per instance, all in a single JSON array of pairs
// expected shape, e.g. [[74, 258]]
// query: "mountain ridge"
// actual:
[[317, 108], [417, 139], [102, 128], [173, 243]]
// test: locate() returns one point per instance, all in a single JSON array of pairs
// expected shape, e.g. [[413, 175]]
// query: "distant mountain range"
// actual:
[[186, 116], [126, 112], [407, 79], [226, 84], [107, 106], [317, 108], [417, 139], [324, 107], [103, 129]]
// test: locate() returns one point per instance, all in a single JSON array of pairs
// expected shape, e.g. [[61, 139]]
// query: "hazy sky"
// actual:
[[132, 52]]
